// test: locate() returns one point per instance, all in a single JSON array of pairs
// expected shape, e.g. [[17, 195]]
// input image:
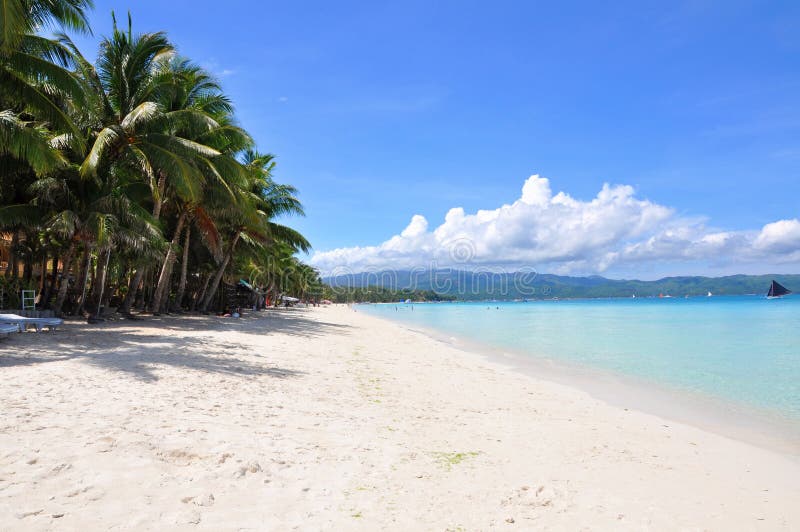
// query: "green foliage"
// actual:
[[374, 294], [114, 169]]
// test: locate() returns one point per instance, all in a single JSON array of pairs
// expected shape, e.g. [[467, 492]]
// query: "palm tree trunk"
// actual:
[[146, 297], [98, 287], [122, 277], [12, 266], [202, 293], [158, 196], [218, 276], [27, 270], [50, 286], [42, 275], [162, 289], [84, 275], [184, 267], [62, 289], [133, 287]]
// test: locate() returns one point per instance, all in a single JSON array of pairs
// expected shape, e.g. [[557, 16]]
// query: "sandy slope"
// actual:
[[329, 419]]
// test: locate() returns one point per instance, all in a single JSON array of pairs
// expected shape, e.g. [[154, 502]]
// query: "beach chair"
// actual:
[[22, 322], [6, 329]]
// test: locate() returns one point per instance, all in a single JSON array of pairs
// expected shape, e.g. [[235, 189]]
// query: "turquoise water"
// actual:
[[740, 349]]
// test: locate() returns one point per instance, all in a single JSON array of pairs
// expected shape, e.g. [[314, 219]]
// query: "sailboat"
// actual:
[[777, 290], [709, 294]]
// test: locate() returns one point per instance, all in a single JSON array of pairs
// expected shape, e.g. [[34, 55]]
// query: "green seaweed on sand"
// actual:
[[448, 460]]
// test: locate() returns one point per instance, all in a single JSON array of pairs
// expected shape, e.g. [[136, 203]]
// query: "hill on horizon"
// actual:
[[469, 285]]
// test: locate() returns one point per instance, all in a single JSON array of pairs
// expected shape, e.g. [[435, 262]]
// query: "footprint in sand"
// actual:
[[30, 513], [224, 457], [105, 444], [58, 469], [190, 517], [540, 497], [204, 500], [177, 457], [79, 491], [250, 467]]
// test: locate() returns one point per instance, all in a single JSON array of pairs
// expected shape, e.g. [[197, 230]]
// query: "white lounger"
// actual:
[[6, 328], [22, 322]]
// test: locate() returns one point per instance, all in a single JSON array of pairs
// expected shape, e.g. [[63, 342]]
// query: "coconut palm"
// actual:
[[138, 122], [25, 17], [33, 77], [252, 219], [99, 160], [94, 216], [187, 87]]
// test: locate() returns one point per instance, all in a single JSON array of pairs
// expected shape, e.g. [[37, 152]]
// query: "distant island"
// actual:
[[449, 285]]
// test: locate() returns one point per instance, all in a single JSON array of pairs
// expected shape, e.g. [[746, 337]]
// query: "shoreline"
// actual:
[[717, 415], [325, 418]]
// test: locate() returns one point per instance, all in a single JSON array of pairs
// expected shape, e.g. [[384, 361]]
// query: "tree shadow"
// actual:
[[289, 321], [131, 347]]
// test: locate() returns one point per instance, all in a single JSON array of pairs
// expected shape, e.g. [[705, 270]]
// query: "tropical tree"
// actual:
[[34, 88], [99, 160], [193, 89], [252, 217], [33, 79]]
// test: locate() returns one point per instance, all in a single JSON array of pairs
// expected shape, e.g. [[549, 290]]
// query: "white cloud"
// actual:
[[782, 236], [213, 66], [417, 227], [559, 233]]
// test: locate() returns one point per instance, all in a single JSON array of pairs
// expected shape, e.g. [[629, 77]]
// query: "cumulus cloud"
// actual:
[[562, 234]]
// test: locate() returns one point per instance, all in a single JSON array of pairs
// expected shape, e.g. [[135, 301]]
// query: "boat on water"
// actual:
[[777, 290], [709, 294]]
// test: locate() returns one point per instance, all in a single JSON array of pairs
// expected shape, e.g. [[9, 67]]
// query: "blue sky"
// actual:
[[380, 111]]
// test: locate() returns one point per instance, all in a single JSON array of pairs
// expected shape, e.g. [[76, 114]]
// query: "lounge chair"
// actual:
[[22, 322], [6, 329]]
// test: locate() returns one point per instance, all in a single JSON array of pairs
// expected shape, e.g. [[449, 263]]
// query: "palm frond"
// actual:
[[16, 88], [105, 141], [28, 143]]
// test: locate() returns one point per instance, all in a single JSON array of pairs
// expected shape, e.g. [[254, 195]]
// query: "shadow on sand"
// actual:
[[289, 321], [125, 345]]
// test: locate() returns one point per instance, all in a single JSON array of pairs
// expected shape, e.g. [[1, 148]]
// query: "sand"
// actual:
[[328, 419]]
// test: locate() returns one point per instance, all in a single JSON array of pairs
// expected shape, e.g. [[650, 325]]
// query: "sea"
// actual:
[[731, 363]]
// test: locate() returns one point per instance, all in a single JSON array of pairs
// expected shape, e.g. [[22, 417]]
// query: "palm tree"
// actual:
[[34, 86], [25, 17], [33, 77], [252, 218], [135, 125], [132, 126], [25, 151], [29, 142], [93, 215], [99, 161], [187, 87]]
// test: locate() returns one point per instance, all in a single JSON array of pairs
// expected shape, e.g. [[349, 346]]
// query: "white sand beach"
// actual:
[[327, 419]]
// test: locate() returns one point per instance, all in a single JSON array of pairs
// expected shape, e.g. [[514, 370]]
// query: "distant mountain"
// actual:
[[467, 285]]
